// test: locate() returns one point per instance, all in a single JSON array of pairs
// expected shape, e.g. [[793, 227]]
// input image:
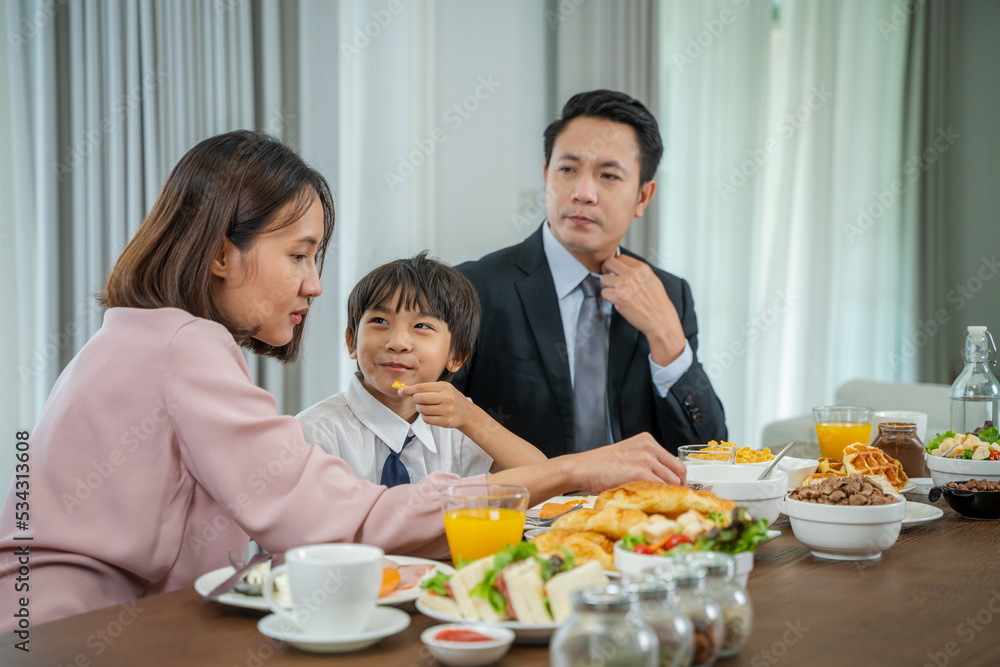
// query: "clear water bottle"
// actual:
[[975, 394]]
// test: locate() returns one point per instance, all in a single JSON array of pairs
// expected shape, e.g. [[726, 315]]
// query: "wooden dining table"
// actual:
[[933, 598]]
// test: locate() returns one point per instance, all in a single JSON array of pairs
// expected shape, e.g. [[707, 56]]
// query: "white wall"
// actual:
[[491, 160]]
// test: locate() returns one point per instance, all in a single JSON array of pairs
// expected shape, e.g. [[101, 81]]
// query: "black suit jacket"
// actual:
[[519, 372]]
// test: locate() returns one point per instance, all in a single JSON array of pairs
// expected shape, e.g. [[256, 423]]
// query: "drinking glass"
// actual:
[[699, 455], [481, 519], [840, 425]]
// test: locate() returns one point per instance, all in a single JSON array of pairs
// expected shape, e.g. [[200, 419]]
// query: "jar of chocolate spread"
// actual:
[[900, 441]]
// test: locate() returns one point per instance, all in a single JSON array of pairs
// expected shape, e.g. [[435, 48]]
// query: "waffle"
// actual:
[[818, 477], [832, 466], [868, 460]]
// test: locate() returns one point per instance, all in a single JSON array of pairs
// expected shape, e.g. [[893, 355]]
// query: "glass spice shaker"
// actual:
[[604, 629], [704, 612], [672, 626], [900, 441], [737, 612]]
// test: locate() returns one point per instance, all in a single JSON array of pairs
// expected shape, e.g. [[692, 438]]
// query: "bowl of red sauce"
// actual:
[[467, 644]]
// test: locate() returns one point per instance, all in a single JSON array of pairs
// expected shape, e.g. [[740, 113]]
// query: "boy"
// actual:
[[411, 324]]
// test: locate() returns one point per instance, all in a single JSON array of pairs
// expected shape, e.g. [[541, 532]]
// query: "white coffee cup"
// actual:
[[334, 588], [901, 417]]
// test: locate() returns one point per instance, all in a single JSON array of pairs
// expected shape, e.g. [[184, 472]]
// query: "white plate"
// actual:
[[385, 621], [590, 500], [909, 486], [921, 513], [523, 632], [207, 582], [922, 485]]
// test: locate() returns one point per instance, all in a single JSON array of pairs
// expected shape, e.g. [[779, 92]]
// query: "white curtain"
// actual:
[[784, 146], [101, 100]]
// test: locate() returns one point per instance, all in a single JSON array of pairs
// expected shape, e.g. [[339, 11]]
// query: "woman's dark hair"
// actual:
[[229, 186], [421, 284], [619, 108]]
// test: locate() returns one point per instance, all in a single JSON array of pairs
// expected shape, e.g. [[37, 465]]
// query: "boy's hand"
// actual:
[[440, 403]]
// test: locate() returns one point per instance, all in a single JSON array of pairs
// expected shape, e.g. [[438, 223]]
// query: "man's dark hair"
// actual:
[[421, 284], [619, 108]]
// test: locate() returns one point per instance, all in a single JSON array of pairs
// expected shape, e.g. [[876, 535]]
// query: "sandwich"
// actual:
[[516, 584]]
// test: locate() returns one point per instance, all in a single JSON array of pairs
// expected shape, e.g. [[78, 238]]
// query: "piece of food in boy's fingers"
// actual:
[[390, 580], [398, 385]]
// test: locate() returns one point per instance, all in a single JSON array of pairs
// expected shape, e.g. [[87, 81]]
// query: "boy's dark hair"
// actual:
[[423, 284], [619, 108]]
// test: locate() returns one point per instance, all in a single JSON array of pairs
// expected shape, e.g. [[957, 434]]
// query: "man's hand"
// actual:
[[440, 403], [637, 458], [638, 295]]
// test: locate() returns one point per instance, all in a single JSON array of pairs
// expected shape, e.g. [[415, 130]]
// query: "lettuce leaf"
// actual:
[[937, 440], [632, 539], [990, 435], [742, 534], [487, 589], [436, 584]]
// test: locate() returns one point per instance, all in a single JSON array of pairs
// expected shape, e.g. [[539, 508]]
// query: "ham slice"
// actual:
[[409, 575]]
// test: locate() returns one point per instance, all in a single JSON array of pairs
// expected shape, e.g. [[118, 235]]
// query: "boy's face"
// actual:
[[409, 346]]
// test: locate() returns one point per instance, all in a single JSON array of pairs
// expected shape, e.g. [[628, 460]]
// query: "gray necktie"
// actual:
[[590, 370]]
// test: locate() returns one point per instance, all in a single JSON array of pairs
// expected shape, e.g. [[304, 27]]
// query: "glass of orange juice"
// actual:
[[838, 426], [481, 519]]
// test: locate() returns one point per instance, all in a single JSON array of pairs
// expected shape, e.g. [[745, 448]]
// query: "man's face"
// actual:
[[592, 188]]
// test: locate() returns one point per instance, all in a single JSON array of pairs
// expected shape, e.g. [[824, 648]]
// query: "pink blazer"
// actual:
[[156, 455]]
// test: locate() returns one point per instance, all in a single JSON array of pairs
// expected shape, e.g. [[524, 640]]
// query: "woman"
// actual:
[[156, 455]]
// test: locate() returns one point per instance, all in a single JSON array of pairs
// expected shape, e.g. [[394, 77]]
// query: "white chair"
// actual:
[[929, 398]]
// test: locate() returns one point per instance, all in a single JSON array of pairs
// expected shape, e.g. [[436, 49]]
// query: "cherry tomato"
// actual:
[[674, 540], [643, 549], [994, 456]]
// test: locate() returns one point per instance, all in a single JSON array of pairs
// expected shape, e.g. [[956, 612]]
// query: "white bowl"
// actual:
[[468, 654], [845, 532], [631, 564], [797, 469], [960, 470], [740, 484]]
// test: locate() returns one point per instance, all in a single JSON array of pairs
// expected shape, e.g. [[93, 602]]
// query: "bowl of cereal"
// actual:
[[845, 518]]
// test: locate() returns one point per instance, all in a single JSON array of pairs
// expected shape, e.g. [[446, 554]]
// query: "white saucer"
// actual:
[[920, 513], [922, 485], [385, 621]]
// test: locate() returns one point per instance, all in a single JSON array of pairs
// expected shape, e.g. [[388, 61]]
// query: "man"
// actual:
[[583, 343]]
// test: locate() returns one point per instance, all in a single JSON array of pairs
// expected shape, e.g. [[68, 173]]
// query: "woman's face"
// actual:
[[270, 284]]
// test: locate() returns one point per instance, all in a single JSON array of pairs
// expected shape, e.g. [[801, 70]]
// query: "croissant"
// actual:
[[584, 546], [614, 522], [660, 498]]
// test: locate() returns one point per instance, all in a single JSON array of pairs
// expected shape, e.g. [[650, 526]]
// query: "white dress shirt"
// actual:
[[567, 274], [354, 426]]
